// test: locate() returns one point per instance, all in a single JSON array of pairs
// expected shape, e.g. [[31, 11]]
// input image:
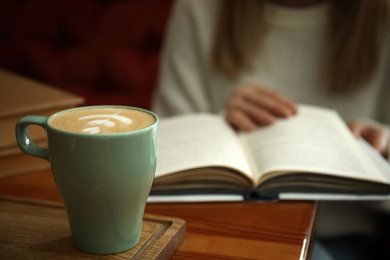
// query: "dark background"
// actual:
[[107, 51]]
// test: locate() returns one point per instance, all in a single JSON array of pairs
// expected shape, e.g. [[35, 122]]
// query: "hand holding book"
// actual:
[[252, 105], [377, 136]]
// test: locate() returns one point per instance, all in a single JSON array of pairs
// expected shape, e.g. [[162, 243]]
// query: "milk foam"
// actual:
[[102, 120], [98, 124]]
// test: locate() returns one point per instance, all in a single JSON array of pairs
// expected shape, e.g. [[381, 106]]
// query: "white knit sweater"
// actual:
[[289, 63]]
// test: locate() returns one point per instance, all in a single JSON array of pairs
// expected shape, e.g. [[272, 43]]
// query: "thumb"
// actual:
[[356, 129]]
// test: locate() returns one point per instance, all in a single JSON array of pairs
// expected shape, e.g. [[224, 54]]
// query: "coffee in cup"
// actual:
[[102, 120]]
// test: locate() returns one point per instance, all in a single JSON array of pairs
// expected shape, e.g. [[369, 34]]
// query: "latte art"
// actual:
[[99, 124], [102, 120]]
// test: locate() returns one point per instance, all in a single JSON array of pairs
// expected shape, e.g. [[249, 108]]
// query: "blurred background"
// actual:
[[106, 51]]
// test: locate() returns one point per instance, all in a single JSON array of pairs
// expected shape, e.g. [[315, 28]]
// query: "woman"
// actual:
[[253, 61]]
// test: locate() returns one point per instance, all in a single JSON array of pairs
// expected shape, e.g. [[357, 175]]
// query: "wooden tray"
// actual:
[[40, 230]]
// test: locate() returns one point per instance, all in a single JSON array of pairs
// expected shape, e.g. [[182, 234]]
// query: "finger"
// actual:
[[355, 128], [240, 121], [288, 103], [274, 106], [377, 138], [272, 101], [257, 114], [386, 149]]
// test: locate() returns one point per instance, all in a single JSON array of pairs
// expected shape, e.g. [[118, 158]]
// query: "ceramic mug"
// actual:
[[104, 179]]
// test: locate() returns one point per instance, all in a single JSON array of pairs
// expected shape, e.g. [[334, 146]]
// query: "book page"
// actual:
[[315, 140], [198, 140]]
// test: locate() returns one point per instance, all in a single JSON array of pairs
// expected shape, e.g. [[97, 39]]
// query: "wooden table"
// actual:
[[234, 230]]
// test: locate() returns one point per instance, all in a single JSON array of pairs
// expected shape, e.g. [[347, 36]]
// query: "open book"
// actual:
[[307, 155]]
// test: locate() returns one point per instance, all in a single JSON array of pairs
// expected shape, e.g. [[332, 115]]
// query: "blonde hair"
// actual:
[[354, 35]]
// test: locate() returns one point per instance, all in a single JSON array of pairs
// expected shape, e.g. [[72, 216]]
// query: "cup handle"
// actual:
[[23, 137]]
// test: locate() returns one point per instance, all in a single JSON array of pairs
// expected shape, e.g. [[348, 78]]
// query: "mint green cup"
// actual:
[[104, 180]]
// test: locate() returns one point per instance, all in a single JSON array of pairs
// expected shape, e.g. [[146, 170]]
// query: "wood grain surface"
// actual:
[[40, 230]]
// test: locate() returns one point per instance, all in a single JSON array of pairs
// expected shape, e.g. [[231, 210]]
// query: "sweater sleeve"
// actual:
[[181, 87]]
